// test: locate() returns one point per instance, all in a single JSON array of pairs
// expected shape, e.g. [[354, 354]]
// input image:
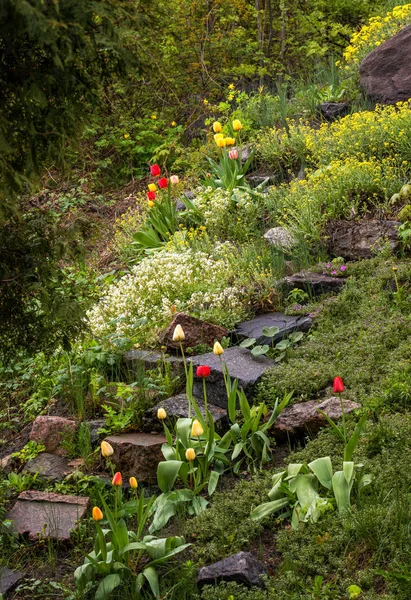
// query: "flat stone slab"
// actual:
[[286, 324], [304, 417], [52, 431], [43, 514], [241, 364], [9, 580], [176, 407], [150, 360], [137, 454], [49, 466], [314, 284], [243, 568]]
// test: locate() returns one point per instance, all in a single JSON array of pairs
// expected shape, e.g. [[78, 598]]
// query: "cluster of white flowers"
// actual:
[[193, 281]]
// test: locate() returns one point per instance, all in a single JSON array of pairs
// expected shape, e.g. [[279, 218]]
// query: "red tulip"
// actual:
[[203, 371], [155, 170], [163, 182], [338, 386], [151, 195], [117, 479]]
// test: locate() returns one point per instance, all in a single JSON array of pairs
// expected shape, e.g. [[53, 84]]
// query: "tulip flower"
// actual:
[[196, 429], [161, 414], [117, 479], [174, 179], [233, 154], [203, 371], [217, 127], [237, 125], [150, 204], [229, 141], [152, 187], [163, 182], [155, 170], [338, 386], [178, 335], [106, 449], [97, 514], [133, 483], [218, 349], [218, 136], [190, 454], [151, 195], [220, 142]]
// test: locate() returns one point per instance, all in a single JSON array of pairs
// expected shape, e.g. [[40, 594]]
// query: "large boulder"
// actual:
[[385, 74], [52, 432], [196, 332], [356, 240], [137, 454], [243, 568]]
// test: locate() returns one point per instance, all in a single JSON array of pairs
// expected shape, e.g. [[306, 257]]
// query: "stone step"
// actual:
[[137, 454], [241, 364], [9, 580], [243, 568], [134, 360], [176, 407], [285, 323], [314, 284], [47, 515], [304, 418], [49, 466]]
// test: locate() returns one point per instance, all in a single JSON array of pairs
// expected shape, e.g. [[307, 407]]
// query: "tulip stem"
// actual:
[[205, 397], [344, 426], [186, 373]]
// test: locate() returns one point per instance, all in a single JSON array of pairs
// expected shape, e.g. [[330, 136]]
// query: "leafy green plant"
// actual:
[[29, 451], [230, 172], [284, 347]]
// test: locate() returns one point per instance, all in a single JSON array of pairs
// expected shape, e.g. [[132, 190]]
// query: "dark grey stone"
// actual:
[[314, 284], [180, 206], [385, 73], [49, 466], [256, 180], [9, 580], [243, 568], [358, 240], [286, 324], [94, 426], [246, 153], [241, 364], [150, 360], [176, 407], [334, 110]]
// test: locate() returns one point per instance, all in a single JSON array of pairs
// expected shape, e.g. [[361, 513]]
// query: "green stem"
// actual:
[[205, 397], [344, 426], [186, 373]]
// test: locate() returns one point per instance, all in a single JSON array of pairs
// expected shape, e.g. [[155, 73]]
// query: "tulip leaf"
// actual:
[[212, 482], [322, 469], [268, 508], [106, 587], [167, 472]]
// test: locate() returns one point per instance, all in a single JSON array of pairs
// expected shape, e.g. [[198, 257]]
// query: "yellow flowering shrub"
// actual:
[[378, 30]]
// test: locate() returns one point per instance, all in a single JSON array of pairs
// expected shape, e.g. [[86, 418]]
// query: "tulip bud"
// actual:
[[217, 127], [152, 187], [133, 483], [155, 170], [150, 204], [174, 179], [173, 309], [117, 479], [237, 125], [233, 154], [196, 429], [203, 371], [106, 449], [161, 414], [190, 454], [178, 335], [338, 386], [218, 349], [97, 514]]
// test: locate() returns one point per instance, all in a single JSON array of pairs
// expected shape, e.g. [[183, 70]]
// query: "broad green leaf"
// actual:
[[248, 342], [106, 587], [353, 441], [296, 336], [268, 508], [283, 345], [348, 469], [293, 469], [151, 575], [212, 482], [167, 472], [322, 469], [270, 331], [305, 487], [341, 491], [260, 350]]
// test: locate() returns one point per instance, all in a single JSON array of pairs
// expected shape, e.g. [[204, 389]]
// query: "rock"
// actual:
[[137, 454], [94, 426], [196, 332], [354, 240], [8, 463], [177, 407], [43, 514], [51, 431], [9, 580], [334, 110], [134, 359], [286, 324], [385, 73], [49, 466], [180, 206], [246, 153], [241, 364], [314, 284], [243, 568], [280, 238], [304, 417], [256, 180]]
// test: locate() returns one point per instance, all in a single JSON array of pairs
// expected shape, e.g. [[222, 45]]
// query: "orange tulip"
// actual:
[[117, 479], [97, 514]]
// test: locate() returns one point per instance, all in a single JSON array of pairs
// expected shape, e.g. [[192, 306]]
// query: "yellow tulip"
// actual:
[[97, 514], [220, 142], [190, 454], [152, 187], [150, 204], [133, 483], [106, 449], [217, 127], [161, 414], [218, 349], [178, 335], [237, 125], [229, 141], [196, 429], [218, 136]]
